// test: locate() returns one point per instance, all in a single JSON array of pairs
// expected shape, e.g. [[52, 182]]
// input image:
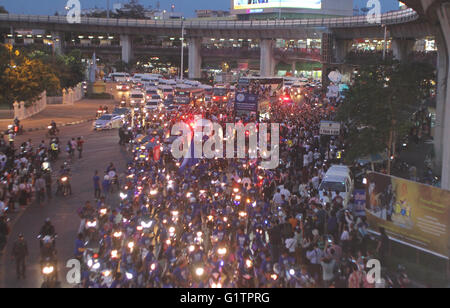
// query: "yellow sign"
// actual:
[[414, 214]]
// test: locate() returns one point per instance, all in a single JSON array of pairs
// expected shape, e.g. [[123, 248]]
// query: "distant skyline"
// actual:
[[187, 7]]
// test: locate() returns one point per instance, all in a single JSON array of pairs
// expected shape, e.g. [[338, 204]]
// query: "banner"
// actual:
[[360, 202], [246, 102], [330, 128], [414, 214]]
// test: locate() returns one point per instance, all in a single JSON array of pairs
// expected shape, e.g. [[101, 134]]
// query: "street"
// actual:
[[101, 148]]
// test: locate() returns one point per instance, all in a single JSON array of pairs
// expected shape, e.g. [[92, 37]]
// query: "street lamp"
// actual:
[[182, 49]]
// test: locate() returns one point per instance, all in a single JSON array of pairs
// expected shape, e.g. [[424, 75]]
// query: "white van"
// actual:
[[137, 98], [150, 91], [120, 77], [192, 83], [137, 77], [338, 179], [166, 91], [150, 81]]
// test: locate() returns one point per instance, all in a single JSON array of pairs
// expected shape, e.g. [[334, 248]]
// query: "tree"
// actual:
[[23, 79], [132, 10], [378, 107], [3, 10], [68, 68]]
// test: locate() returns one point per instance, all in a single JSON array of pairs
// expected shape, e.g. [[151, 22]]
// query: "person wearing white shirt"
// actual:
[[277, 199]]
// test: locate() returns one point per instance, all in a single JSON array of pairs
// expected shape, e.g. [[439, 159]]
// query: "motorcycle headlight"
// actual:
[[91, 224], [47, 270], [199, 271]]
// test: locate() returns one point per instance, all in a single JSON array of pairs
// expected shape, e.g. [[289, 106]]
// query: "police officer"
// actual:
[[19, 254]]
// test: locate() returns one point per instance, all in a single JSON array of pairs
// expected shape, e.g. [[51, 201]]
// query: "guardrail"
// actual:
[[397, 17]]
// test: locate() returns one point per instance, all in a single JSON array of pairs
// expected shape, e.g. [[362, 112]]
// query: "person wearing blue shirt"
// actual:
[[97, 190]]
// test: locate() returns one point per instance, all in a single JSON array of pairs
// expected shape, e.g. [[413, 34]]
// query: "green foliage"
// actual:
[[3, 10], [381, 103], [68, 68], [22, 78]]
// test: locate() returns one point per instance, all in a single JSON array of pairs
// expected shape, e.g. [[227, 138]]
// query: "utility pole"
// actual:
[[107, 8], [385, 42], [182, 50], [279, 12]]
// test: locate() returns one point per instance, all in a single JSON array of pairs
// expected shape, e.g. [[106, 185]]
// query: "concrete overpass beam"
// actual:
[[267, 61], [401, 48], [195, 58], [442, 137], [58, 38], [126, 41], [342, 48]]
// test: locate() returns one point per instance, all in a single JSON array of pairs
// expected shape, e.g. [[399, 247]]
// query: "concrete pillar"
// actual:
[[442, 139], [294, 67], [44, 98], [64, 96], [267, 61], [195, 58], [16, 110], [58, 38], [23, 111], [342, 48], [401, 48], [126, 41]]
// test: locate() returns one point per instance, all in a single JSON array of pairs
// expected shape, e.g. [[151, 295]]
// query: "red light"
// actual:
[[95, 256]]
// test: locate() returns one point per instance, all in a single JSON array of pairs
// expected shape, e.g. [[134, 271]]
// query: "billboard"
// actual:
[[267, 4], [414, 214]]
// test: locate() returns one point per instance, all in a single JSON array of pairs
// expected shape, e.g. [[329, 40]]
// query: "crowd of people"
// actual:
[[27, 177], [228, 222]]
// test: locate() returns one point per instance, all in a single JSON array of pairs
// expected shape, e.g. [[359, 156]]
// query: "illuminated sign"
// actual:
[[266, 4]]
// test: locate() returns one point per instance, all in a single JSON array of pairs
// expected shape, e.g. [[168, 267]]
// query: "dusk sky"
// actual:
[[188, 7]]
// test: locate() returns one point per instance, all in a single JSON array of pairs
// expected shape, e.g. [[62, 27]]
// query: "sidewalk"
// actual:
[[64, 115]]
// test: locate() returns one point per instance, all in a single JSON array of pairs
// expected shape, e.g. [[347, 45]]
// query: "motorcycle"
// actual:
[[18, 129], [49, 274], [64, 186], [52, 131], [123, 102], [48, 262]]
